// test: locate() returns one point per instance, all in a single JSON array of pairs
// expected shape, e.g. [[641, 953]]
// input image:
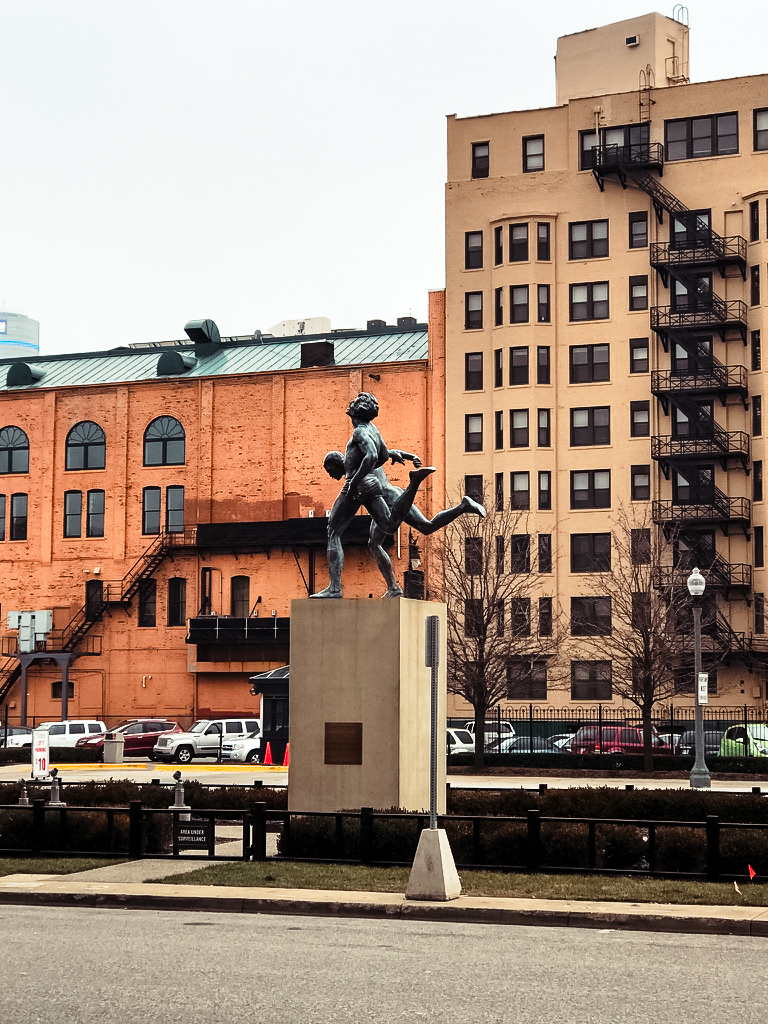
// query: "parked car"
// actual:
[[711, 743], [15, 736], [66, 734], [246, 749], [522, 745], [741, 741], [139, 735], [204, 739], [616, 739], [563, 740], [494, 731], [459, 741]]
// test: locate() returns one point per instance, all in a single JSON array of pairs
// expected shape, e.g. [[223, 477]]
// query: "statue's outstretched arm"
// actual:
[[398, 455]]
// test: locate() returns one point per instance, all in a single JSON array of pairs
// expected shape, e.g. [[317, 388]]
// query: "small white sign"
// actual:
[[703, 687], [40, 759]]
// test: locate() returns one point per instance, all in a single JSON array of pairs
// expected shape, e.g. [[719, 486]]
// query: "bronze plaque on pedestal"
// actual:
[[343, 742]]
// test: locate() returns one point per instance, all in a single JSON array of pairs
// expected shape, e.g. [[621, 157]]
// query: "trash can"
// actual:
[[114, 745]]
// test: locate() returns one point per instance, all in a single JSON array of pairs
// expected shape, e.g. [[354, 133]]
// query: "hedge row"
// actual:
[[120, 792], [678, 764], [62, 755]]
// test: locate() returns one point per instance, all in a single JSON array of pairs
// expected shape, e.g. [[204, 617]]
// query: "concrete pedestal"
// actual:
[[433, 875], [360, 705]]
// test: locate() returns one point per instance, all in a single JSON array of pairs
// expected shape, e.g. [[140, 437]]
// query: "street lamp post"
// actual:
[[700, 778]]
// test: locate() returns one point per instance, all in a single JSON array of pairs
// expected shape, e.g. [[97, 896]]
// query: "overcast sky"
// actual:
[[167, 160]]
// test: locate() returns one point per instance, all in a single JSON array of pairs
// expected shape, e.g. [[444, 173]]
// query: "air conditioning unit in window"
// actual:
[[632, 41]]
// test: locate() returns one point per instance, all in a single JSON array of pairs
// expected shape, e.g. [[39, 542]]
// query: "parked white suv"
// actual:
[[205, 739], [247, 748], [66, 734], [495, 731]]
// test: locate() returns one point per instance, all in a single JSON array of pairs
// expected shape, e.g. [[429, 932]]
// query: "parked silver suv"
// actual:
[[204, 739]]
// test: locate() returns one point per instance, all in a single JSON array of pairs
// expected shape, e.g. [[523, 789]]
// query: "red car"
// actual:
[[616, 739], [140, 736]]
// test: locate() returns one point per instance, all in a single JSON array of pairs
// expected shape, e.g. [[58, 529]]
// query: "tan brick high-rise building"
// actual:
[[606, 266]]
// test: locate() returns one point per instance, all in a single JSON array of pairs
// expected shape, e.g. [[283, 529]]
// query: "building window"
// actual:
[[759, 548], [757, 416], [150, 511], [544, 432], [518, 304], [19, 506], [94, 522], [543, 305], [589, 301], [174, 509], [473, 616], [498, 307], [754, 286], [591, 426], [73, 513], [638, 292], [14, 450], [545, 489], [590, 616], [591, 488], [640, 546], [148, 602], [498, 368], [518, 365], [518, 243], [590, 552], [754, 221], [757, 480], [692, 137], [591, 680], [757, 356], [498, 491], [639, 419], [498, 420], [587, 239], [473, 250], [589, 363], [634, 136], [760, 123], [640, 614], [2, 516], [640, 483], [545, 616], [473, 311], [545, 552], [480, 159], [473, 371], [542, 365], [760, 613], [474, 487], [498, 245], [518, 428], [691, 229], [638, 355], [520, 490], [86, 447], [473, 433], [533, 153], [240, 596], [164, 442], [499, 556], [526, 678], [177, 601], [542, 242], [638, 230], [520, 552], [520, 616]]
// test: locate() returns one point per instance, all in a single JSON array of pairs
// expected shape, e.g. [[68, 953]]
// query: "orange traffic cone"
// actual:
[[287, 757], [267, 755]]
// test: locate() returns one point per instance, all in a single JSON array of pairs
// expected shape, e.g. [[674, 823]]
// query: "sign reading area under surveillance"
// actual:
[[40, 755]]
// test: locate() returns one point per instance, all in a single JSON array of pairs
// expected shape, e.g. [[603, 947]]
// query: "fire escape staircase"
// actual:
[[706, 440]]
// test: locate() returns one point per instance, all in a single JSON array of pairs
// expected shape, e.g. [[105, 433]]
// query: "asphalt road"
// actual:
[[81, 966]]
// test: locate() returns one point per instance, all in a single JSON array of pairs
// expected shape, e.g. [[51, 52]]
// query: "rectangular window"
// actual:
[[757, 355], [526, 678], [757, 480], [150, 519], [2, 516], [518, 243], [591, 488], [499, 492], [520, 552], [498, 307], [591, 426], [590, 552], [640, 615], [632, 137], [473, 433], [533, 153], [638, 355], [640, 483], [759, 548], [545, 552], [520, 616], [94, 524], [589, 301], [754, 221], [542, 364], [544, 439], [691, 229], [148, 602], [691, 137], [757, 416], [473, 616], [73, 513], [542, 242], [638, 292], [591, 680], [640, 546], [518, 304], [474, 487], [587, 239], [19, 516], [480, 159], [518, 428], [498, 429], [545, 489], [589, 363], [754, 286], [498, 245], [473, 250], [473, 371], [174, 509], [760, 124], [543, 306], [639, 419], [498, 368], [638, 230], [520, 490], [177, 601], [473, 311], [590, 616], [545, 616], [760, 613], [500, 556], [473, 556], [518, 365]]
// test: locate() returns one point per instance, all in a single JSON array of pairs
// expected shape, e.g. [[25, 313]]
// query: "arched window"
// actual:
[[86, 446], [241, 589], [14, 450], [164, 442]]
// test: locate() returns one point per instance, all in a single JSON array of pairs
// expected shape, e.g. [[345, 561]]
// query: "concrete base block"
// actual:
[[433, 875]]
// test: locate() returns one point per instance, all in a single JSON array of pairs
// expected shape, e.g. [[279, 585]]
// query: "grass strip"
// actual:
[[52, 865], [608, 889]]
